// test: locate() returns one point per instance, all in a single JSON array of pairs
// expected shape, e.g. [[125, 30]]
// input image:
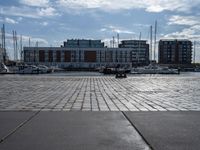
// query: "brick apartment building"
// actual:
[[175, 52]]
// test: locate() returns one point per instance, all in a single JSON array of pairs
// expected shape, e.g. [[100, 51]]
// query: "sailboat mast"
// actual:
[[21, 48], [155, 40], [1, 37], [29, 42], [113, 41], [194, 59], [4, 38], [151, 48], [14, 45], [117, 39]]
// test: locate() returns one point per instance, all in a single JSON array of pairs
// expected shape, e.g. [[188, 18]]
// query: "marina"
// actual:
[[99, 75]]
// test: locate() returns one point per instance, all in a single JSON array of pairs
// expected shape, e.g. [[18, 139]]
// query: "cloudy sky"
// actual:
[[51, 21]]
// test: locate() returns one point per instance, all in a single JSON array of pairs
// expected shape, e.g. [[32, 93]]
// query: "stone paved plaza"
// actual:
[[99, 93]]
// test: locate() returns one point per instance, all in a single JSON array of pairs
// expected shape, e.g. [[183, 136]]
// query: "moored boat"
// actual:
[[44, 69], [3, 68], [27, 69], [154, 69]]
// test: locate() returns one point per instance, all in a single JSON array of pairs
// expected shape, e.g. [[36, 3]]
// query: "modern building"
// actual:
[[88, 54], [175, 51], [139, 53]]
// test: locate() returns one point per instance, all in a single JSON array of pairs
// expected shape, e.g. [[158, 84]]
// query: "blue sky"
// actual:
[[50, 22]]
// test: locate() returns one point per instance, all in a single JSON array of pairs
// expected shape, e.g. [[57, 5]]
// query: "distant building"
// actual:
[[79, 54], [175, 52], [139, 53], [89, 54]]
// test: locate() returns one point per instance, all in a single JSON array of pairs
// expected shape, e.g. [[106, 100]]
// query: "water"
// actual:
[[85, 73], [75, 73]]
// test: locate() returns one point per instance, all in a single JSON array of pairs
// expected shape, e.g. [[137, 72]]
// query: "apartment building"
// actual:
[[175, 51]]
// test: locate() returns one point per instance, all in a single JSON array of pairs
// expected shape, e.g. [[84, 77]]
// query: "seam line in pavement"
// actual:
[[18, 127], [137, 130]]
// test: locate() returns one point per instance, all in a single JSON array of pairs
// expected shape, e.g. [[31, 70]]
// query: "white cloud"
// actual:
[[171, 5], [184, 20], [155, 8], [40, 41], [38, 3], [103, 29], [21, 12], [8, 20], [82, 3], [111, 28], [148, 5], [44, 23], [25, 38], [192, 33], [29, 12], [50, 11], [19, 18]]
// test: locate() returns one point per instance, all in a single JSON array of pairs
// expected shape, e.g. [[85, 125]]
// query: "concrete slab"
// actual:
[[168, 130], [76, 131], [10, 120]]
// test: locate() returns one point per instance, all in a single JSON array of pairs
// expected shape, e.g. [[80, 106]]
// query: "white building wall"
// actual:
[[104, 57]]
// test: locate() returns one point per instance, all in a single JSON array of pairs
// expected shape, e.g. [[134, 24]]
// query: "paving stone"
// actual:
[[168, 130], [74, 131], [99, 93]]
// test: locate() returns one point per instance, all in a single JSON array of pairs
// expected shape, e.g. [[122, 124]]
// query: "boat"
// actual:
[[197, 69], [27, 69], [44, 69], [121, 74], [56, 69], [3, 68], [154, 69], [108, 70]]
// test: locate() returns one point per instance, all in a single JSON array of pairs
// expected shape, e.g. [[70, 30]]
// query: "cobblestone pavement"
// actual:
[[99, 93]]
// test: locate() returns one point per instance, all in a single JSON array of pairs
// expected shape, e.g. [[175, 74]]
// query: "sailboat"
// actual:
[[153, 68]]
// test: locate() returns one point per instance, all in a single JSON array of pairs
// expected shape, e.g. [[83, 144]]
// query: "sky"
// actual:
[[50, 22]]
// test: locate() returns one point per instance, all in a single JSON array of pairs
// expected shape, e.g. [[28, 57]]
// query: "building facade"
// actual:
[[139, 53], [175, 52], [78, 57], [87, 54]]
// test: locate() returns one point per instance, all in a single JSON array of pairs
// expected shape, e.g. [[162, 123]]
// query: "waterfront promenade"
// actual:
[[99, 112], [99, 93]]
